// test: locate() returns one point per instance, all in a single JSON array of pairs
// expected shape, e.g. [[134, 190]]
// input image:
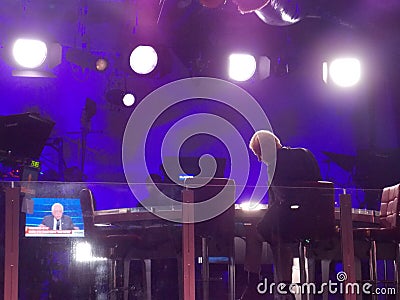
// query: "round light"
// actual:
[[345, 72], [101, 64], [29, 53], [241, 66], [143, 59], [128, 99]]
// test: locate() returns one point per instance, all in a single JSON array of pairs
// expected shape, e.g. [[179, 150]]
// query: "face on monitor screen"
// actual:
[[55, 217]]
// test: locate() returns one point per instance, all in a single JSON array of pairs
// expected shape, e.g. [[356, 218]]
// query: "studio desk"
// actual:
[[124, 216], [346, 217]]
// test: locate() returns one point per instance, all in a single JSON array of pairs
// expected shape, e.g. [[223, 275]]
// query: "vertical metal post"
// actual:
[[113, 277], [147, 267], [346, 235], [11, 245], [205, 268], [188, 254]]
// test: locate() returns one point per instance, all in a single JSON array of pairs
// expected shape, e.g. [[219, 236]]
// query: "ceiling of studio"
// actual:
[[193, 30]]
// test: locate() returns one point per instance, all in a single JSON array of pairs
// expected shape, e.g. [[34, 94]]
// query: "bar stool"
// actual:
[[387, 236], [135, 243]]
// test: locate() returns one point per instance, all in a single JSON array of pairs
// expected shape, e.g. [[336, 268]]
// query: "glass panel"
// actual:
[[110, 228]]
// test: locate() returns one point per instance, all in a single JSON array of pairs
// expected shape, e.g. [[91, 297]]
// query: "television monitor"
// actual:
[[37, 223]]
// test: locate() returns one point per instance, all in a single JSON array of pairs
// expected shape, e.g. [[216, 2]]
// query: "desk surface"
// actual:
[[175, 213]]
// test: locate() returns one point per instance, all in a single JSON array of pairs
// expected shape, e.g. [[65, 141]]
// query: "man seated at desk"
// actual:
[[292, 165], [57, 220]]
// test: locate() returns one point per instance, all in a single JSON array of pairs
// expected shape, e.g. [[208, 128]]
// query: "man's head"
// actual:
[[264, 143], [57, 210]]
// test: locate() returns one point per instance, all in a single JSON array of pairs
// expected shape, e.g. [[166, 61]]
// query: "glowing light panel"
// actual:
[[29, 53], [143, 59], [241, 66], [345, 72]]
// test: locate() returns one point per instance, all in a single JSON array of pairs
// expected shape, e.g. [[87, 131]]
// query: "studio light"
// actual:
[[241, 66], [32, 57], [101, 64], [344, 72], [128, 99], [29, 53], [119, 97], [143, 59]]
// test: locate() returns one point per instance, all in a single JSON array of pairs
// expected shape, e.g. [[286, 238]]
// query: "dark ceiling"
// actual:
[[194, 30]]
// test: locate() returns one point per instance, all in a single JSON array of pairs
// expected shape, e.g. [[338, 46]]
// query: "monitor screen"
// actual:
[[55, 217]]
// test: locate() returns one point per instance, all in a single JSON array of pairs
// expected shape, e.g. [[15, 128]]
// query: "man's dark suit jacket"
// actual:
[[293, 166], [66, 222]]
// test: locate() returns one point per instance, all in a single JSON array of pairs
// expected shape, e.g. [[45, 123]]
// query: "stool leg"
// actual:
[[147, 266], [373, 266], [232, 289], [205, 272], [127, 265], [310, 271], [372, 263], [325, 266], [302, 267], [113, 279]]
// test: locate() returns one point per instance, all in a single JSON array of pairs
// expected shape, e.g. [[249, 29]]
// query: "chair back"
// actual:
[[389, 212], [220, 229], [88, 208], [308, 213]]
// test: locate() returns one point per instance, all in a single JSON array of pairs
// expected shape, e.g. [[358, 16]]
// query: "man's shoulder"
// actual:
[[294, 149], [295, 164], [290, 153]]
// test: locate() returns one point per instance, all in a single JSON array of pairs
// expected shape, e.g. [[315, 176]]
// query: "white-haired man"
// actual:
[[286, 166], [57, 220]]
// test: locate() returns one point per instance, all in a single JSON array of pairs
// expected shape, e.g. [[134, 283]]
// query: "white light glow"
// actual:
[[143, 59], [29, 53], [241, 66], [345, 72], [325, 71], [128, 99], [83, 253], [288, 18], [251, 206]]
